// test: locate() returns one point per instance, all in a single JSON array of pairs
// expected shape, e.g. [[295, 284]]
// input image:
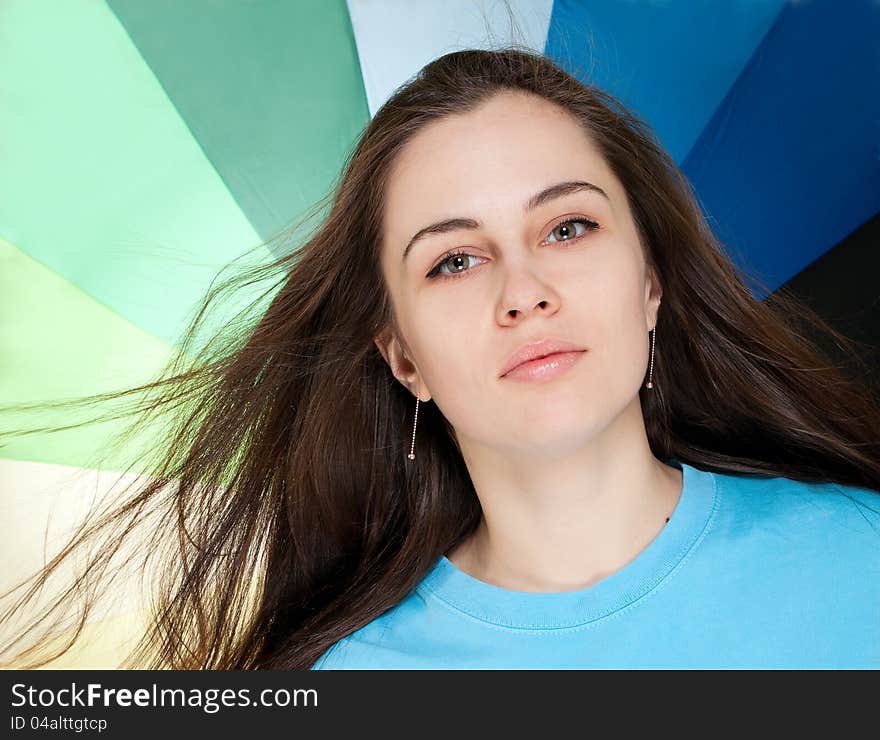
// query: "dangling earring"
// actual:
[[412, 455], [649, 384]]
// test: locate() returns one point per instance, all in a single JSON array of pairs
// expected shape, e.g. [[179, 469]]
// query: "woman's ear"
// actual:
[[653, 296], [402, 367], [381, 341]]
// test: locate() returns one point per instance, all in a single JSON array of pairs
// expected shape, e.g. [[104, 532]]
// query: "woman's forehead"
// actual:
[[510, 133], [473, 166]]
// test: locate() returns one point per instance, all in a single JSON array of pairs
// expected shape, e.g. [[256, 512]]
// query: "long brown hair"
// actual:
[[282, 512]]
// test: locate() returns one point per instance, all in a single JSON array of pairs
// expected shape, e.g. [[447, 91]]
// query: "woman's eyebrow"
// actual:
[[547, 194]]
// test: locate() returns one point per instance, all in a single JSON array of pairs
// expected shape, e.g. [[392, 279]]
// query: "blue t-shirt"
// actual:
[[748, 572]]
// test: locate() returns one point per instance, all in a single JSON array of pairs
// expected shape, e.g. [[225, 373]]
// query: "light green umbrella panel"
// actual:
[[145, 147]]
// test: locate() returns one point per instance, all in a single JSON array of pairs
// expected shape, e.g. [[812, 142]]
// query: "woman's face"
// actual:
[[525, 275]]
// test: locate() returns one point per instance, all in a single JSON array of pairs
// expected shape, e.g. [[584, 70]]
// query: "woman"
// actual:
[[466, 433]]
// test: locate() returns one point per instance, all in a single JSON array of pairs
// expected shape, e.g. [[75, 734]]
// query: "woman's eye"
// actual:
[[567, 233], [457, 262]]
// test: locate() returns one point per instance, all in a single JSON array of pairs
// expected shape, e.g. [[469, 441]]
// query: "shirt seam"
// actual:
[[686, 554]]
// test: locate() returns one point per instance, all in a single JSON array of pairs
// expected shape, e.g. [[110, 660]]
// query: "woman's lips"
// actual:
[[545, 368]]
